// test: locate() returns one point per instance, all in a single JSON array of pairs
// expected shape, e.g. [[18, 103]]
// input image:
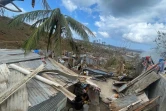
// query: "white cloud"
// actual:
[[69, 5], [136, 21], [143, 32], [104, 34], [84, 5], [141, 28], [81, 3]]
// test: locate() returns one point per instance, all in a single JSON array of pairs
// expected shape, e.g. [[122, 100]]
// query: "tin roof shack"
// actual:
[[35, 95]]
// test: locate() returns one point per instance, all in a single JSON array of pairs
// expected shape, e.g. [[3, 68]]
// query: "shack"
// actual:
[[34, 95]]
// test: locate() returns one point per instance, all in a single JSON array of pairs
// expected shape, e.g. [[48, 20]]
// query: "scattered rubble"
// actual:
[[118, 92]]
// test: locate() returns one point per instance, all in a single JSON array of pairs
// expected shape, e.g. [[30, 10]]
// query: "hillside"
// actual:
[[12, 37]]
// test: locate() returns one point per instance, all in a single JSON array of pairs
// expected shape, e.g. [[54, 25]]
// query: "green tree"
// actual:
[[52, 24], [160, 41]]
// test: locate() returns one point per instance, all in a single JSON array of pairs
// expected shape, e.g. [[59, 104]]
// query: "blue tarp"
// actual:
[[161, 64], [36, 51]]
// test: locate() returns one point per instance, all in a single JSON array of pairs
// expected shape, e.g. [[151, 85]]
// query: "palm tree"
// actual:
[[51, 23]]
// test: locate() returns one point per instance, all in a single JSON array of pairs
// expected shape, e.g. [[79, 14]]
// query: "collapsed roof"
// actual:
[[35, 94]]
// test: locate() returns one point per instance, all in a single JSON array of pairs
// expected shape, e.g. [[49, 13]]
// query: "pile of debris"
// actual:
[[123, 93], [34, 82], [132, 95]]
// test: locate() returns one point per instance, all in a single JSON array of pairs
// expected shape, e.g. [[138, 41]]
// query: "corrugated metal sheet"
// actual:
[[39, 93], [19, 100], [50, 105], [9, 56], [33, 64], [4, 72], [11, 51]]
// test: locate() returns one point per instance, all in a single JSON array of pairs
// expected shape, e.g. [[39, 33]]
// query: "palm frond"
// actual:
[[73, 45], [49, 37], [64, 23], [38, 22], [33, 40], [50, 23], [57, 40], [46, 5], [79, 28], [69, 37], [47, 26], [30, 17]]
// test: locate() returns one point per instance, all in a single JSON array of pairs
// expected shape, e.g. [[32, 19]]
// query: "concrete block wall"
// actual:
[[159, 89]]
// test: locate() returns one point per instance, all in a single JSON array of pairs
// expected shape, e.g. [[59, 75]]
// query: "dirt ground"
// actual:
[[106, 88], [97, 103]]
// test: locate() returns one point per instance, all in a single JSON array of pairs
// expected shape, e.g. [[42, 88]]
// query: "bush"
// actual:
[[111, 62]]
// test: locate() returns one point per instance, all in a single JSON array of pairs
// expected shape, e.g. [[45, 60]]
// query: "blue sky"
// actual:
[[125, 23]]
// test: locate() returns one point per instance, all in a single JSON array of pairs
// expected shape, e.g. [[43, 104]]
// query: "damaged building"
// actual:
[[49, 86], [34, 95]]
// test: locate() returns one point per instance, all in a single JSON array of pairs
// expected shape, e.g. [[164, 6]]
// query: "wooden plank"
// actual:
[[131, 106], [64, 69], [146, 104], [119, 82], [59, 87], [125, 86], [4, 73], [143, 83], [150, 107], [19, 100], [45, 80], [123, 102], [143, 97], [6, 94]]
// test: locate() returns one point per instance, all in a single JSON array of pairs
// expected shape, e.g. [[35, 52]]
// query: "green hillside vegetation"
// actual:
[[12, 37]]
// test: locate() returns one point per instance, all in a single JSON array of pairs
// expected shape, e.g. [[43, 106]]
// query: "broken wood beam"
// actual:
[[119, 82], [131, 106], [6, 94], [56, 85], [142, 84], [142, 75], [142, 107], [65, 69], [123, 87], [60, 88]]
